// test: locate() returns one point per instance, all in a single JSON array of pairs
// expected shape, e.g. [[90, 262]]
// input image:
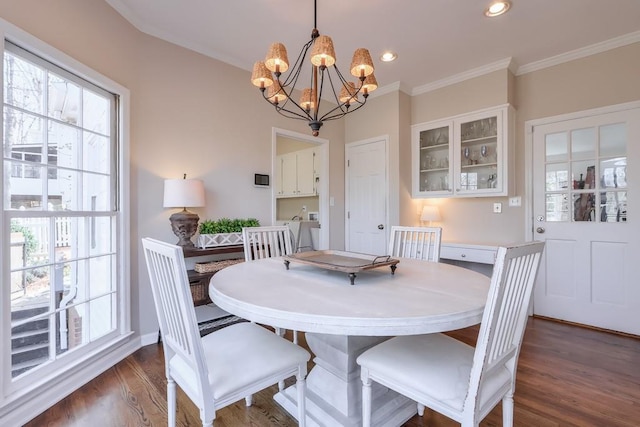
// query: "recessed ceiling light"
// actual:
[[388, 56], [497, 8]]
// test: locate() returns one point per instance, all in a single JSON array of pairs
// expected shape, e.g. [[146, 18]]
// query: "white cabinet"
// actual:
[[464, 156], [296, 174]]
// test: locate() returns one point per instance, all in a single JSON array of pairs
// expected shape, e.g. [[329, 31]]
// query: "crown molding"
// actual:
[[583, 52], [506, 63]]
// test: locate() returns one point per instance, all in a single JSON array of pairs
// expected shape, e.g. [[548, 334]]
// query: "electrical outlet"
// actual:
[[514, 202], [304, 208], [497, 208]]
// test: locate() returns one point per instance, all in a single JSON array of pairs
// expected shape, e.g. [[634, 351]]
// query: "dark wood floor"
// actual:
[[567, 376]]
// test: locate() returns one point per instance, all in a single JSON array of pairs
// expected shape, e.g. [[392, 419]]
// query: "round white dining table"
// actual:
[[342, 320]]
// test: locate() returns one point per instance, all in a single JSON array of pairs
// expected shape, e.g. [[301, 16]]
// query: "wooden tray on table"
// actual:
[[347, 262]]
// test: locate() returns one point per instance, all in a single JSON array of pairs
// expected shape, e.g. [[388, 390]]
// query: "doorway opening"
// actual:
[[300, 193]]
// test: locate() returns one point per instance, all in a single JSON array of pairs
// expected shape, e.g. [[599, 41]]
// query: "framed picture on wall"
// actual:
[[312, 216]]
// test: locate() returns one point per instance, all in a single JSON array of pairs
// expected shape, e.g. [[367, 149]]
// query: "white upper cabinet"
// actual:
[[296, 174], [464, 156]]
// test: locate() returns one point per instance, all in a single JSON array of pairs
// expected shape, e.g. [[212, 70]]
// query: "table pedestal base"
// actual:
[[334, 389]]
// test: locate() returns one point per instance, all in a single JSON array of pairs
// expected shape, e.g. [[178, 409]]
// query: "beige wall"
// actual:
[[192, 114]]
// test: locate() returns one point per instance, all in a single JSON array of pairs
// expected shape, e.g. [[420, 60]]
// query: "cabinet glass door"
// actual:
[[434, 160], [479, 154]]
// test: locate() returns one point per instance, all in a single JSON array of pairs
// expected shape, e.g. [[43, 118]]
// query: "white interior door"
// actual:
[[366, 192], [586, 184]]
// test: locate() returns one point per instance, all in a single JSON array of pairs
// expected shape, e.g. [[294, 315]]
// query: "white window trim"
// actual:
[[19, 406]]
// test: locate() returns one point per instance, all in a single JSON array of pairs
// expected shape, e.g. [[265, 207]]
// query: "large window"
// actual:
[[62, 215]]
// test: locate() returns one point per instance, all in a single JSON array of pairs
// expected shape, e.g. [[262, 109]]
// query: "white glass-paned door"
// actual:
[[582, 195]]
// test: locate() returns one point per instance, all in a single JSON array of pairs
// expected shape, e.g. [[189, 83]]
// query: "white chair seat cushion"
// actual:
[[242, 354], [433, 369]]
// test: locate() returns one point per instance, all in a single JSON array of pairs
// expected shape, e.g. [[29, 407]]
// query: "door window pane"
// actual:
[[557, 207], [583, 144], [584, 206], [613, 173], [613, 206], [613, 140], [556, 147], [557, 176]]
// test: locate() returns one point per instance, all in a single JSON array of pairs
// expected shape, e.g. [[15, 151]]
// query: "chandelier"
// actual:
[[278, 90]]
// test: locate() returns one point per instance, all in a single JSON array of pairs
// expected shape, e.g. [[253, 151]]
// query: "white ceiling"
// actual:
[[434, 39]]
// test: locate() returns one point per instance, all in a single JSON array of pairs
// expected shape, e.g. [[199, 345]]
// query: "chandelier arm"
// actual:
[[291, 114], [292, 86], [280, 108], [297, 66], [327, 118], [340, 105]]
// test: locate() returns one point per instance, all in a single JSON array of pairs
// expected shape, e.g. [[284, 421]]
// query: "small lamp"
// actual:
[[184, 193], [430, 213]]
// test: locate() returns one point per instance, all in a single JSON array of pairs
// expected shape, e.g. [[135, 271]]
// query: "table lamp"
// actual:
[[184, 193], [430, 213]]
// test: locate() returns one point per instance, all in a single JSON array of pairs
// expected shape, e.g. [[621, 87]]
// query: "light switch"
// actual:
[[515, 201], [497, 208]]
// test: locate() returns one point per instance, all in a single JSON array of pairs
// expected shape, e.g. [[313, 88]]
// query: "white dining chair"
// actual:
[[224, 366], [451, 377], [415, 242], [268, 242]]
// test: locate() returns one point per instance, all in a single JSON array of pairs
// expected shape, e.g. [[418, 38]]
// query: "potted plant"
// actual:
[[223, 232]]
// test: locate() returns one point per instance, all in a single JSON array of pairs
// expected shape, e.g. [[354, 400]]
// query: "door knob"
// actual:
[[380, 226], [540, 230]]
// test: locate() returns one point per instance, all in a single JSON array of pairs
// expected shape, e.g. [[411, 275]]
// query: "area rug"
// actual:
[[215, 324]]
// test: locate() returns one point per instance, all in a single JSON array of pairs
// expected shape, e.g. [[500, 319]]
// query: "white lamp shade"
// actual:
[[430, 213], [183, 193]]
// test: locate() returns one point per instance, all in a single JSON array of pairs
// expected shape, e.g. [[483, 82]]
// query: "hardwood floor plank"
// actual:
[[567, 376]]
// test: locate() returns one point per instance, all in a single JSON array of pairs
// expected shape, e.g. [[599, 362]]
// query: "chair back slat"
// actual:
[[266, 242], [174, 307], [415, 242], [505, 315]]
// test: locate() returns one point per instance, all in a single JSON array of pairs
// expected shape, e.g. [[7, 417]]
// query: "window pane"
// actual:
[[29, 339], [95, 113], [557, 207], [613, 173], [97, 194], [584, 207], [556, 147], [101, 269], [101, 235], [613, 140], [32, 235], [65, 140], [64, 100], [102, 318], [613, 206], [557, 177], [23, 84], [583, 174], [97, 153], [21, 129], [76, 335], [66, 188], [583, 144]]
